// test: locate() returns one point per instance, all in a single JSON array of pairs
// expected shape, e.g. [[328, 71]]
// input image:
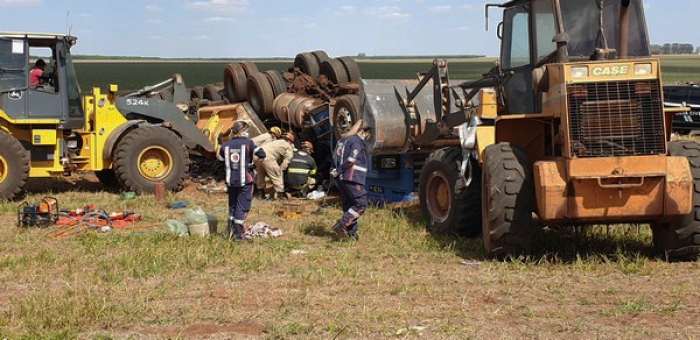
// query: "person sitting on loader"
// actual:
[[36, 75], [238, 155], [279, 153], [351, 159], [300, 177]]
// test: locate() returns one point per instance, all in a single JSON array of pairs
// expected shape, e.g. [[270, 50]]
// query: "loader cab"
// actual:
[[535, 33], [56, 97]]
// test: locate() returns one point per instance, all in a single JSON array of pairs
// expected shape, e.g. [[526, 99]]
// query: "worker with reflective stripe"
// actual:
[[351, 159], [238, 155], [271, 169], [301, 173]]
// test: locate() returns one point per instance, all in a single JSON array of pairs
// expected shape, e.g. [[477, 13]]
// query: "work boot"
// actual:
[[340, 232], [239, 233], [231, 230]]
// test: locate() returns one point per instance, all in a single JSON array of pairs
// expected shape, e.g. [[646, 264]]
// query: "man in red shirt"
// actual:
[[36, 74]]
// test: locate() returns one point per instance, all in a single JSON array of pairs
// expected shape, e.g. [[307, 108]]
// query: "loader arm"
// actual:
[[160, 111]]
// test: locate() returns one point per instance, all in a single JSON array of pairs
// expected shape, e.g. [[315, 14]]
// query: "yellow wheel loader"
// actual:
[[568, 129], [48, 129]]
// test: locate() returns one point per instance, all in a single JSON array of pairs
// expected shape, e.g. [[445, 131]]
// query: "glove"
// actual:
[[334, 173]]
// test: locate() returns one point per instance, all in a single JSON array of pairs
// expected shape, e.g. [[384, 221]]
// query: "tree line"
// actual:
[[674, 48]]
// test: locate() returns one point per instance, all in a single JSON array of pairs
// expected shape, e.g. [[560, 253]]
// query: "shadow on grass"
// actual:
[[560, 245], [58, 186], [318, 230], [614, 243]]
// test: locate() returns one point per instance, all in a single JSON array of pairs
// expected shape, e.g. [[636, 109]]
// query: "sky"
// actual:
[[283, 28]]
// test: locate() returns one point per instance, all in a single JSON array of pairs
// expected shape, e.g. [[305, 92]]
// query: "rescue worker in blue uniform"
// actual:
[[238, 155], [351, 160]]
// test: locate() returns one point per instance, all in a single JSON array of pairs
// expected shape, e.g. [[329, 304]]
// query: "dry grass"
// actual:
[[398, 281]]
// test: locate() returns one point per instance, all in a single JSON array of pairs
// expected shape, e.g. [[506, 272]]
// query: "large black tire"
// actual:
[[307, 63], [249, 68], [334, 70], [347, 111], [321, 56], [137, 144], [235, 83], [260, 94], [508, 201], [108, 178], [197, 93], [352, 68], [14, 167], [447, 203], [279, 85], [680, 239], [212, 93]]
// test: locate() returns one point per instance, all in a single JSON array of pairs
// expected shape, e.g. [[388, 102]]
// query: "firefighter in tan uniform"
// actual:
[[279, 153]]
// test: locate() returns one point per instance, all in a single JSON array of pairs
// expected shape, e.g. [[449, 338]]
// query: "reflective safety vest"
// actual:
[[301, 167], [351, 159], [238, 156]]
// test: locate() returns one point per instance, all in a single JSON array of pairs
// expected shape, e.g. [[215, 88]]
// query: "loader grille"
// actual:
[[622, 118]]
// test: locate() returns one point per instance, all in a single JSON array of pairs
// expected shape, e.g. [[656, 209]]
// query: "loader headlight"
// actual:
[[579, 72], [642, 69]]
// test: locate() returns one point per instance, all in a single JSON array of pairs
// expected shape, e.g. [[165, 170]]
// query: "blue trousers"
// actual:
[[353, 197], [240, 200]]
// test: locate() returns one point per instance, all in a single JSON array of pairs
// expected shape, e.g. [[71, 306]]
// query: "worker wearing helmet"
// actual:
[[351, 159], [271, 169], [276, 132], [238, 155], [301, 174]]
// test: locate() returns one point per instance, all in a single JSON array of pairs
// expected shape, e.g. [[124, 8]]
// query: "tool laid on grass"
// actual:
[[40, 215]]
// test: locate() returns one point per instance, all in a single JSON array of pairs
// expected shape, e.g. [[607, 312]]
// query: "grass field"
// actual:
[[397, 282], [134, 75]]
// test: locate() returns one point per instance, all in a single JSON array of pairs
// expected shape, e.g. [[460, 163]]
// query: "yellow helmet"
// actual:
[[276, 132]]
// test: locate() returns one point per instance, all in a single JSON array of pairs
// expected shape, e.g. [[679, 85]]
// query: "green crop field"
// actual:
[[134, 74]]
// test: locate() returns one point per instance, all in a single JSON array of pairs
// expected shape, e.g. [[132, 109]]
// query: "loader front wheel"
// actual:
[[447, 202], [148, 155], [507, 202], [14, 167], [679, 240]]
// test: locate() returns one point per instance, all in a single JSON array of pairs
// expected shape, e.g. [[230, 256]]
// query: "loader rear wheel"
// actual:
[[508, 201], [148, 155], [235, 83], [279, 85], [307, 63], [14, 167], [447, 203], [334, 70], [260, 93], [679, 240], [352, 68]]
